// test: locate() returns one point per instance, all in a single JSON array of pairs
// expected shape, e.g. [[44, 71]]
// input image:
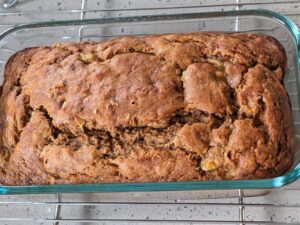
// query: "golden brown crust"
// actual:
[[199, 106]]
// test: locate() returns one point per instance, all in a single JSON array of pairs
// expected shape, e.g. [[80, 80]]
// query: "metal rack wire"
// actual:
[[79, 9], [278, 207], [244, 206]]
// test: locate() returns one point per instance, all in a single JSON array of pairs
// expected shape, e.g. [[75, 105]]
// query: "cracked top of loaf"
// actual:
[[198, 106]]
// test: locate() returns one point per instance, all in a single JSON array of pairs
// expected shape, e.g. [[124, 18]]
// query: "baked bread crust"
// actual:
[[198, 106]]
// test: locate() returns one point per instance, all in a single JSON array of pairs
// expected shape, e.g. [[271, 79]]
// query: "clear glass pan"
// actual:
[[258, 21]]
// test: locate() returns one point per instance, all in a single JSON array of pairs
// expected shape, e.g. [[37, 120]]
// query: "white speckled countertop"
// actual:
[[281, 206]]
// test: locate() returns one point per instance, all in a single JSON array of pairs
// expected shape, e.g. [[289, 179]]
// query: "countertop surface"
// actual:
[[281, 205]]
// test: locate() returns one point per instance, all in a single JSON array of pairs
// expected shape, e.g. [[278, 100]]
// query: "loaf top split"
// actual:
[[174, 107]]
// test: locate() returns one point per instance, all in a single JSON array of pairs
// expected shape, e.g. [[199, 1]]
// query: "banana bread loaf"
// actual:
[[199, 106]]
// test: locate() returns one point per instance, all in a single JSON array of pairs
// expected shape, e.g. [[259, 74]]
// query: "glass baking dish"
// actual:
[[258, 21]]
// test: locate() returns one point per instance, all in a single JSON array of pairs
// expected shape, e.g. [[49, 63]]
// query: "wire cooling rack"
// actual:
[[278, 207], [281, 206]]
